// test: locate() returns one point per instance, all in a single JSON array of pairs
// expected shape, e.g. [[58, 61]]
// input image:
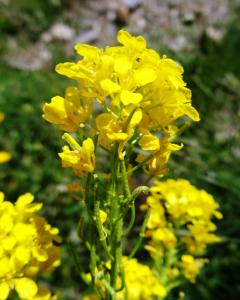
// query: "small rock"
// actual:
[[131, 3], [214, 34], [62, 32], [87, 36], [35, 57], [188, 18], [178, 43]]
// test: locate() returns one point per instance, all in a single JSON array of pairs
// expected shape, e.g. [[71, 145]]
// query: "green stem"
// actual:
[[116, 225], [109, 289], [132, 220], [131, 204], [76, 260], [125, 181], [93, 262], [102, 234], [141, 164], [87, 198], [141, 236]]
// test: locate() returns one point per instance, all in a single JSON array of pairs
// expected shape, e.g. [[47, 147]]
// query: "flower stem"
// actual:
[[141, 236]]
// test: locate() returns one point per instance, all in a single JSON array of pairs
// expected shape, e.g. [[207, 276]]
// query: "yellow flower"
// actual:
[[44, 294], [69, 112], [141, 281], [26, 288], [4, 290], [166, 236], [185, 202], [138, 92], [81, 159], [113, 129], [27, 248], [191, 266], [103, 216], [131, 43], [180, 215], [160, 151], [4, 157], [149, 142]]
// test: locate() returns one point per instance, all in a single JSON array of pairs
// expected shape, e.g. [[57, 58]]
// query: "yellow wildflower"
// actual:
[[141, 281], [69, 112], [103, 216], [180, 214], [80, 158], [4, 157], [111, 129], [160, 151], [191, 266], [138, 91], [27, 248]]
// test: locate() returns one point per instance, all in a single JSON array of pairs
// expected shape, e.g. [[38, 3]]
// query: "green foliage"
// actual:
[[34, 15]]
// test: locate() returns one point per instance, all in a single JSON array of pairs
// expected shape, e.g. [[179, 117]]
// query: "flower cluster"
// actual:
[[180, 214], [27, 248], [132, 103], [141, 282], [139, 94]]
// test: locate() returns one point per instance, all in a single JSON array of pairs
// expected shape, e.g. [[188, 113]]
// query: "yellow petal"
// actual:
[[68, 157], [21, 256], [136, 118], [122, 65], [174, 147], [188, 259], [134, 43], [123, 37], [118, 136], [1, 197], [191, 112], [4, 290], [103, 216], [149, 142], [128, 97], [54, 112], [87, 50], [103, 120], [9, 242], [144, 75], [40, 254], [6, 223], [109, 86], [24, 200], [160, 291], [88, 145], [26, 288], [4, 157], [73, 70], [5, 267]]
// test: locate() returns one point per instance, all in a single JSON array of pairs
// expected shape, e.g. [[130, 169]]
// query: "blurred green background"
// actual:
[[204, 36]]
